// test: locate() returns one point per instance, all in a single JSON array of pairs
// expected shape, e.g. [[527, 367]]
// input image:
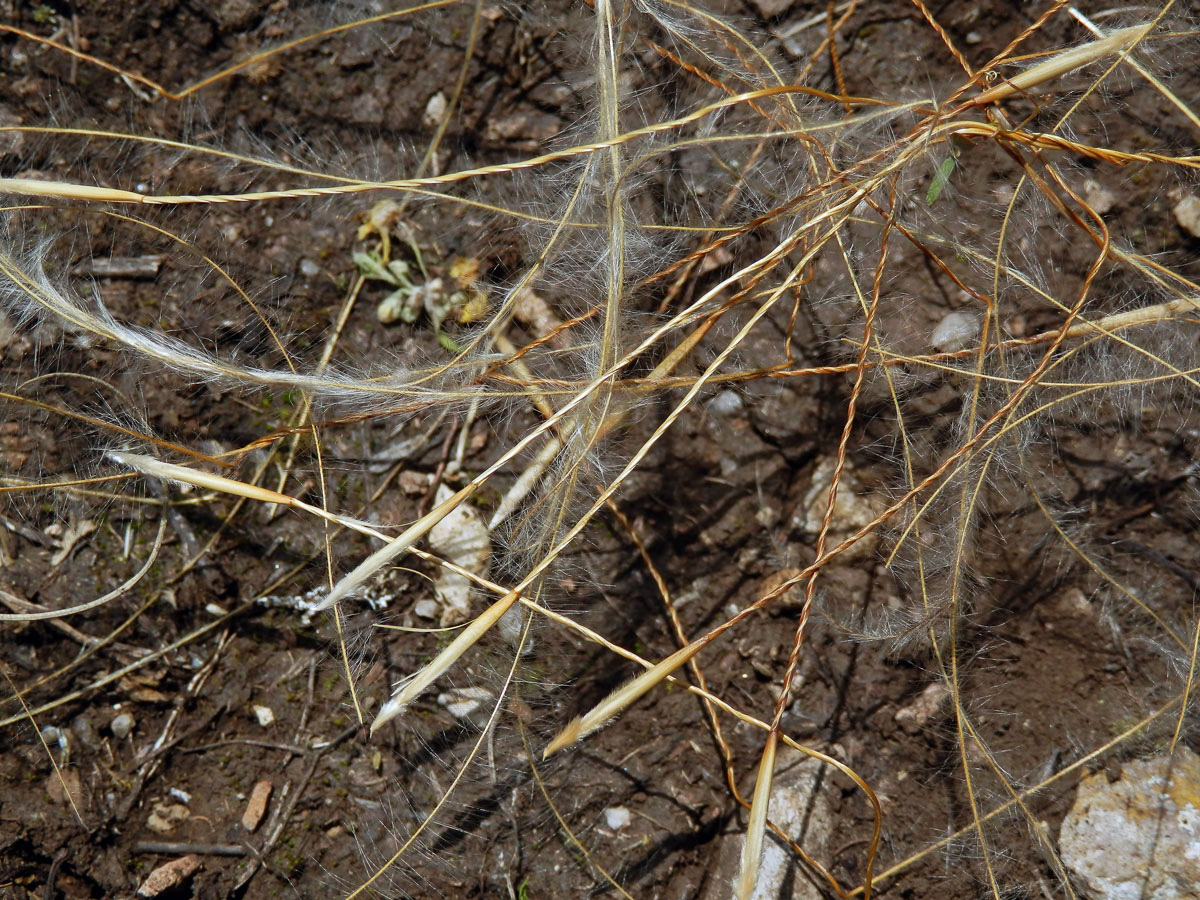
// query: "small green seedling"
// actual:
[[405, 303], [941, 177]]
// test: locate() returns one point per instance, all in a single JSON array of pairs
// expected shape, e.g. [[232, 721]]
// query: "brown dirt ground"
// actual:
[[1054, 663]]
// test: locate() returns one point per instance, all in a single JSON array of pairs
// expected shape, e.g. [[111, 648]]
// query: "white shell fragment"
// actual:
[[1138, 837], [1098, 197], [956, 331], [461, 538], [435, 109]]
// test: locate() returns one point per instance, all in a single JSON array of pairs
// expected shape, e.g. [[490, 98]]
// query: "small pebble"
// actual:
[[309, 268], [427, 609], [122, 726], [166, 816], [434, 110], [1187, 214], [181, 795], [974, 37], [264, 714], [726, 403], [956, 331], [256, 808], [617, 817], [1098, 197], [86, 732]]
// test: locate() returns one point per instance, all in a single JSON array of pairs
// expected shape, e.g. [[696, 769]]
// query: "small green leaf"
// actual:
[[940, 179]]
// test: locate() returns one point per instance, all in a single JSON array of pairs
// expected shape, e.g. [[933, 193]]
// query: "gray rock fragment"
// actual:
[[1137, 838]]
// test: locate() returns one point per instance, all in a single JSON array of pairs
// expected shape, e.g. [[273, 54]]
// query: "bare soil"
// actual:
[[1054, 662]]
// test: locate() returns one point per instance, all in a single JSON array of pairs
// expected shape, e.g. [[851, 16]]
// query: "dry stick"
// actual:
[[181, 848]]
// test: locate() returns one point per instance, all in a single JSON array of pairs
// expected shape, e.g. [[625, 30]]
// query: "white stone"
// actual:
[[1139, 837], [726, 403], [956, 331], [264, 714], [426, 609], [617, 817], [434, 110], [122, 726], [927, 704], [1098, 197], [1187, 214]]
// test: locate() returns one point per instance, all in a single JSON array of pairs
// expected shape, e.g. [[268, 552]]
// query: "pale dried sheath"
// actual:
[[1067, 61], [29, 187], [466, 639], [148, 465], [388, 552], [525, 483], [616, 702], [757, 829]]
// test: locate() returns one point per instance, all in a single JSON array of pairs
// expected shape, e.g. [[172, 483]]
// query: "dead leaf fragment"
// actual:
[[72, 535], [256, 807], [169, 875], [461, 538]]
